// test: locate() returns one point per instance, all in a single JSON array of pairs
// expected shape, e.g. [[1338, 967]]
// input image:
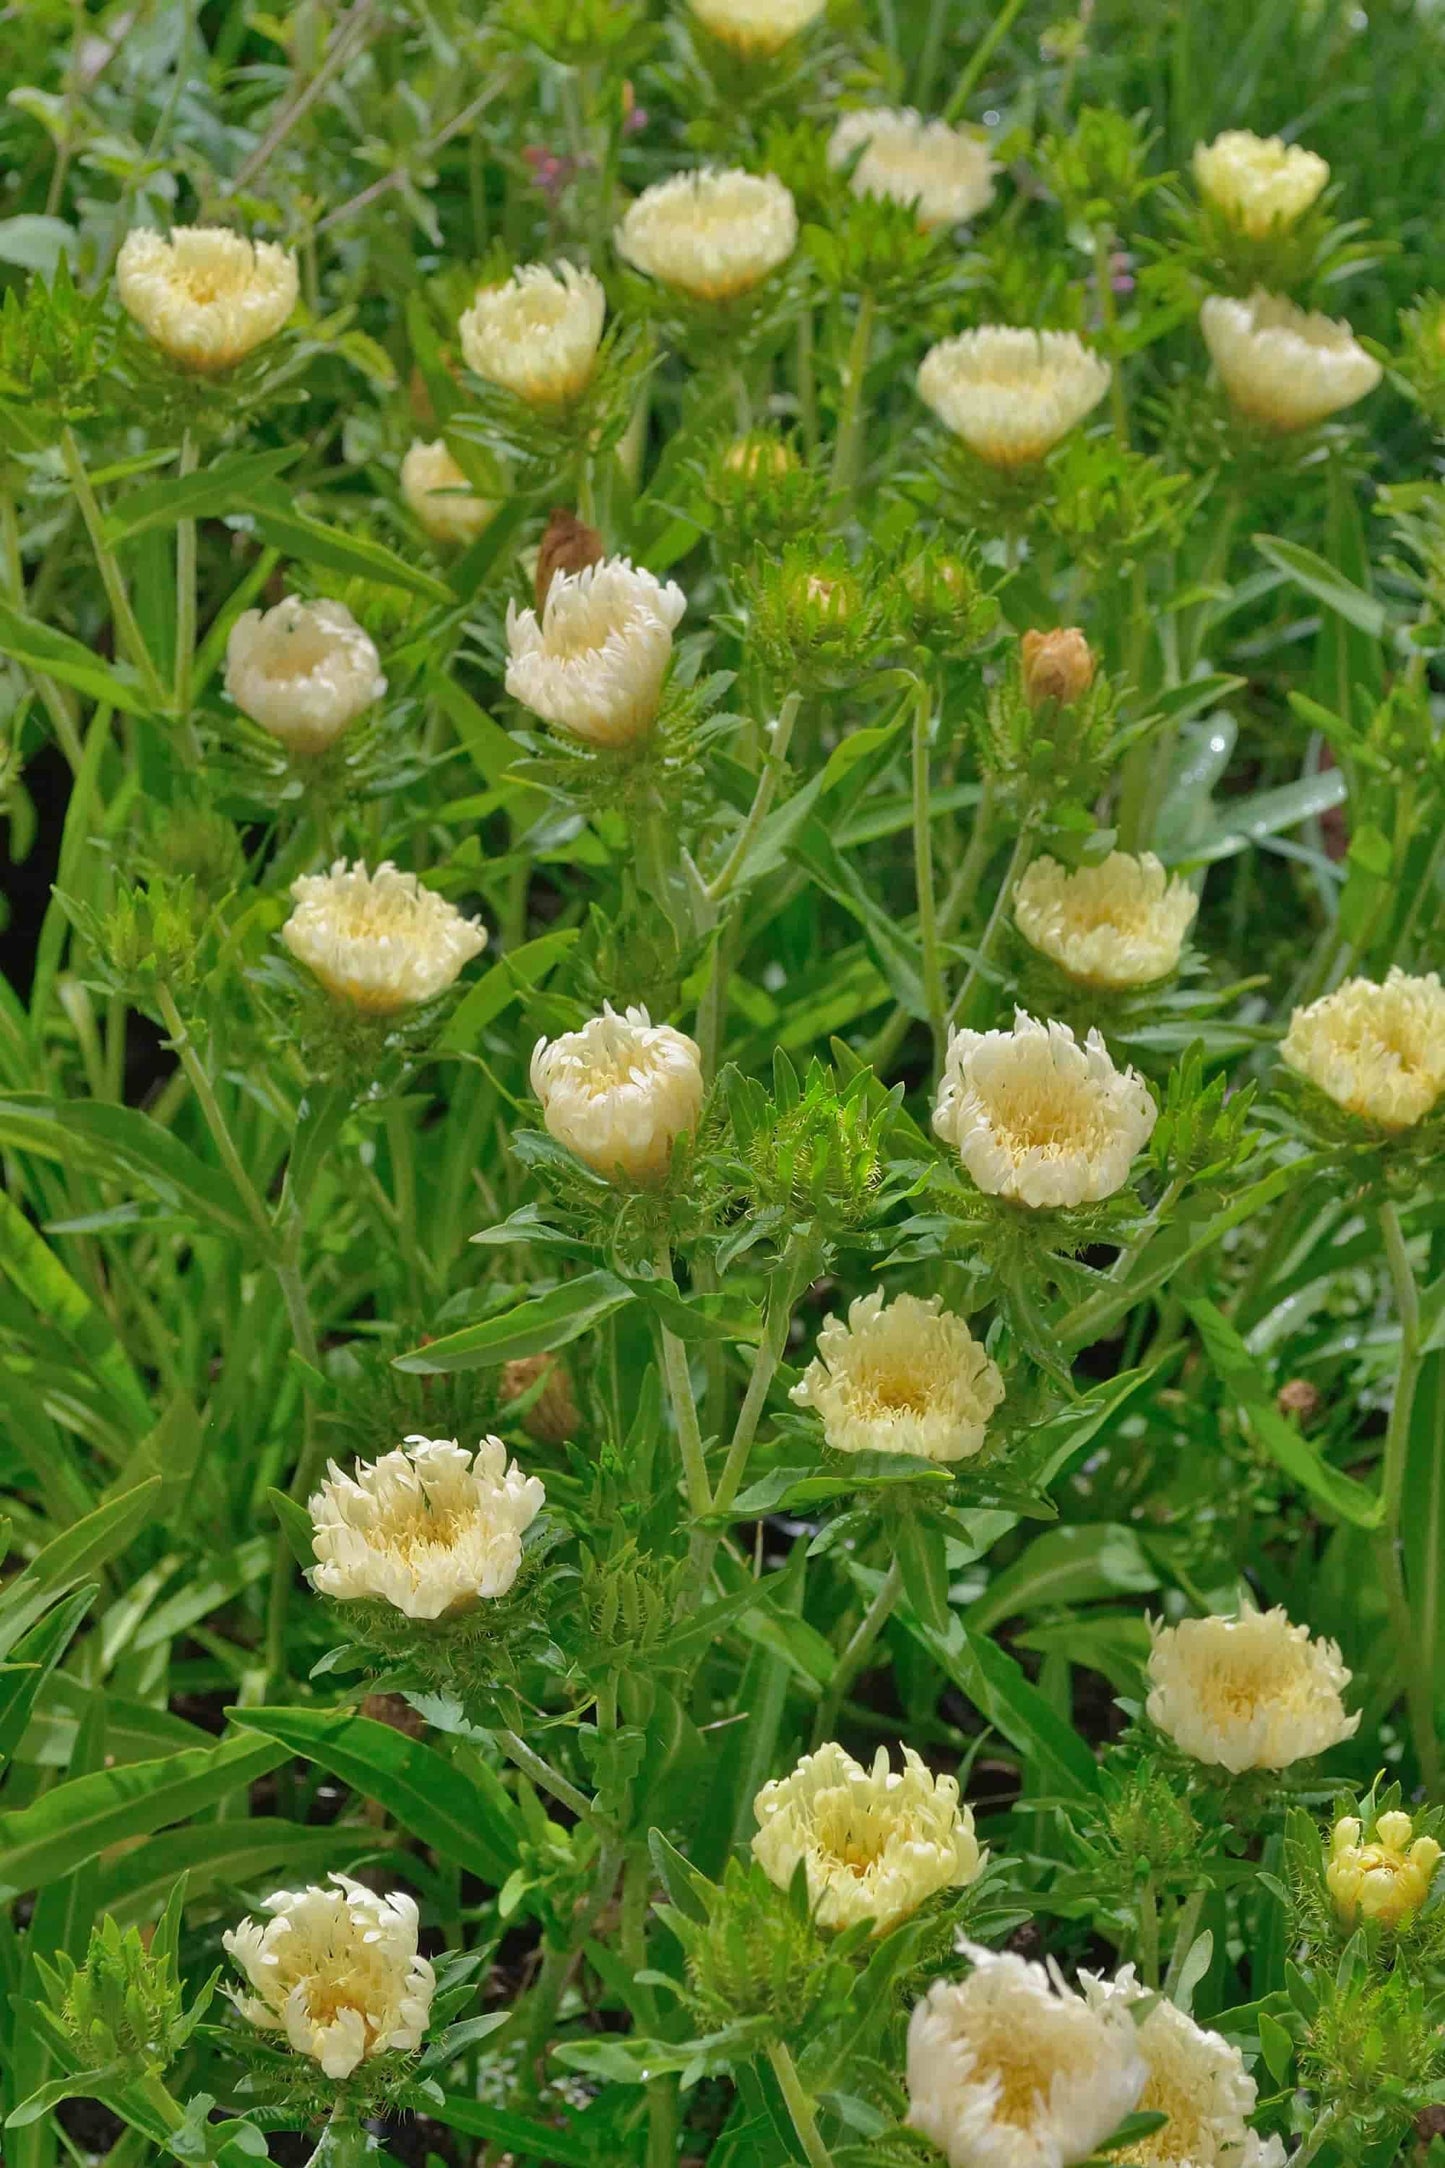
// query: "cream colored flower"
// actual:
[[336, 1970], [1120, 923], [1251, 1692], [1196, 2078], [440, 497], [378, 940], [946, 171], [714, 234], [1011, 395], [304, 671], [1038, 1118], [875, 1843], [757, 28], [1386, 1880], [1010, 2069], [595, 661], [430, 1528], [1377, 1051], [905, 1378], [1281, 366], [207, 297], [537, 335], [619, 1091], [1262, 184]]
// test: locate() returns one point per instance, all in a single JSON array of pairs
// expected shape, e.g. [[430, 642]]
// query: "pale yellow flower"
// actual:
[[1119, 923], [207, 297], [1039, 1118], [304, 671], [875, 1843], [905, 1377], [1012, 395], [1011, 2069], [1196, 2078], [1386, 1880], [379, 941], [713, 234], [1281, 366], [430, 1528], [945, 171], [1252, 1692], [1262, 184], [336, 1970], [594, 661], [439, 496], [1377, 1051], [537, 334], [619, 1092], [757, 28]]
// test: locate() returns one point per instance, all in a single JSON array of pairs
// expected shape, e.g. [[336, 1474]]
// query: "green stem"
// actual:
[[684, 1408], [1023, 851], [185, 592], [1186, 1927], [1316, 2135], [768, 779], [765, 1365], [343, 2143], [859, 1647], [800, 2107], [933, 995], [983, 54], [127, 630], [545, 1777], [198, 1077], [1148, 1943], [848, 448], [1419, 1688]]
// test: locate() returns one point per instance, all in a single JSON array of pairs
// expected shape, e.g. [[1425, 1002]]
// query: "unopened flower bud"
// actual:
[[567, 545], [304, 671], [759, 458], [1057, 665], [1386, 1880], [1298, 1397], [439, 495], [553, 1417], [206, 297]]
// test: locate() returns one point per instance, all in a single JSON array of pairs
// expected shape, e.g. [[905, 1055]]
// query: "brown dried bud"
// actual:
[[1298, 1397], [553, 1417], [1057, 666], [567, 546], [395, 1712]]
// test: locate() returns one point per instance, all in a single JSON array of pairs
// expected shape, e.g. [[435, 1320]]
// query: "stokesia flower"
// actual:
[[908, 1377], [538, 334], [1252, 1692], [1196, 2078], [1038, 1118], [619, 1091], [1010, 2069], [713, 234], [945, 171], [1012, 395], [430, 1528], [875, 1843], [1120, 923], [1377, 1051], [757, 28], [440, 497], [304, 671], [1386, 1880], [378, 940], [1261, 184], [1282, 366], [595, 660], [207, 297], [336, 1970]]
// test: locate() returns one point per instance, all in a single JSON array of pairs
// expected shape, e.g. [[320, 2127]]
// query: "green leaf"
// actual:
[[1058, 1758], [75, 1821], [1072, 1564], [463, 1814], [1276, 2046], [534, 1328], [1247, 1386], [1326, 584], [226, 1855], [55, 654], [73, 1556], [45, 1283], [312, 542], [922, 1553], [213, 493], [512, 976], [295, 1526], [38, 1652], [518, 2134]]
